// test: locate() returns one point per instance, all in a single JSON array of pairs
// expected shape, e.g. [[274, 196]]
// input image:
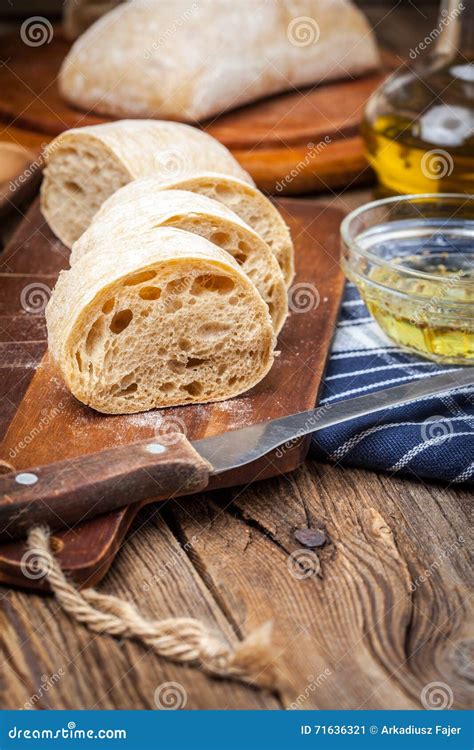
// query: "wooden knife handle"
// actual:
[[68, 492]]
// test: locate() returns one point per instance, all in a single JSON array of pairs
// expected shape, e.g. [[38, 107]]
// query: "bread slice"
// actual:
[[168, 318], [246, 201], [86, 165], [140, 203], [190, 61]]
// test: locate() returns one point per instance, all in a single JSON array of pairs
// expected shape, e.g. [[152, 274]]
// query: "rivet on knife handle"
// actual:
[[74, 490]]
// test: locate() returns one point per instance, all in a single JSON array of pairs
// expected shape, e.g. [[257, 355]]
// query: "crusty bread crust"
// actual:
[[243, 199], [141, 204], [183, 61], [168, 318], [86, 165]]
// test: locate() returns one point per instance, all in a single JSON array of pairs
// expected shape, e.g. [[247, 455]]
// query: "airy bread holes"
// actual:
[[211, 283], [220, 238], [120, 321], [195, 362], [108, 306], [211, 330], [73, 187], [126, 391], [139, 278], [167, 387], [176, 366], [194, 388], [177, 286], [150, 292], [94, 335]]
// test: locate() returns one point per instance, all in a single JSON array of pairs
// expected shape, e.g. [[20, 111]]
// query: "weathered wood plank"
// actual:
[[92, 671], [368, 631]]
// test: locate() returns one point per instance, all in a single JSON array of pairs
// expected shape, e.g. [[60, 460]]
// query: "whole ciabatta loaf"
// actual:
[[244, 200], [141, 204], [168, 318], [86, 165], [189, 61]]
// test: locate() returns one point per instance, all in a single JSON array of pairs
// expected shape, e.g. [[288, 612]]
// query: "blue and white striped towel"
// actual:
[[432, 438]]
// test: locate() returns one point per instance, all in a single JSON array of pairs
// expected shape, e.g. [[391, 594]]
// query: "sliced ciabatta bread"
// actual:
[[141, 204], [168, 318], [86, 165], [243, 199]]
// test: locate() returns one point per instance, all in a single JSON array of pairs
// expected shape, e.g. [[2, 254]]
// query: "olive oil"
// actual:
[[417, 319], [418, 126], [413, 263], [405, 163]]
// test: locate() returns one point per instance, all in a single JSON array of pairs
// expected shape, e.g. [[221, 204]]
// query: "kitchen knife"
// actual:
[[71, 491]]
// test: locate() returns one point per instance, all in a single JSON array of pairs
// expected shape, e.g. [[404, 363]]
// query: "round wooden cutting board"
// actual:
[[296, 142]]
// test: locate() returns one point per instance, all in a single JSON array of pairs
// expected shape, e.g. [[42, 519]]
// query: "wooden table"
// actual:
[[387, 615]]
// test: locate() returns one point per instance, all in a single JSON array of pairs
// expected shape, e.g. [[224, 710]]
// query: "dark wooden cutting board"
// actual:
[[269, 138], [44, 423]]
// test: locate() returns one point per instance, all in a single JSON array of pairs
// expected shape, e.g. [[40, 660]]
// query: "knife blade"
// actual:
[[67, 492]]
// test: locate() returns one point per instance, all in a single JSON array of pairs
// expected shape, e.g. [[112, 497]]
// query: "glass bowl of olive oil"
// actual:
[[412, 259]]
